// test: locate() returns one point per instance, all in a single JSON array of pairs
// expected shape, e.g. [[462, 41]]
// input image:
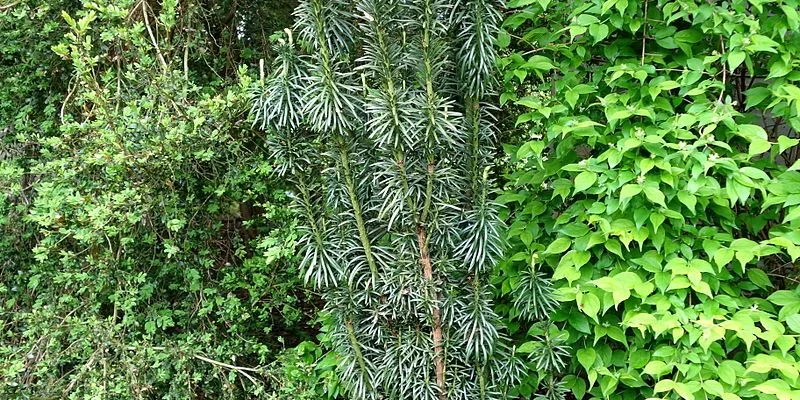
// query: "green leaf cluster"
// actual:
[[652, 175]]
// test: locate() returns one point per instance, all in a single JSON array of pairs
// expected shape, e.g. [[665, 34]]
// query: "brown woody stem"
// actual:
[[436, 332]]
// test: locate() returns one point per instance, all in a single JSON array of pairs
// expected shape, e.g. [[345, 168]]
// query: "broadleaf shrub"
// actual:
[[146, 251], [652, 175]]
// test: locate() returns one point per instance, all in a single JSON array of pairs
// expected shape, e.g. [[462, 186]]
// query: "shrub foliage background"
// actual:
[[653, 176], [145, 251]]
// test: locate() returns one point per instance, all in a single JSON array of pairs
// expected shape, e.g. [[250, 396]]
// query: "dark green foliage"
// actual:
[[653, 177], [154, 237], [32, 76], [146, 251], [33, 81]]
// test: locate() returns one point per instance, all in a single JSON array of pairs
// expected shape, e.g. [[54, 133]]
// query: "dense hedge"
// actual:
[[146, 250]]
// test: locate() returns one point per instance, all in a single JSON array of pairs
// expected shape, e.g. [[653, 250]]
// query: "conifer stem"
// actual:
[[482, 379], [351, 334], [357, 212], [422, 235], [436, 332], [412, 208], [428, 193], [306, 201], [391, 91], [474, 114]]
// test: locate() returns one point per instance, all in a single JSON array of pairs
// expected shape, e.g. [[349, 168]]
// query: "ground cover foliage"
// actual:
[[652, 175]]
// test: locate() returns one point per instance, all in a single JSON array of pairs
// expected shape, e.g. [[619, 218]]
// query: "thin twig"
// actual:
[[784, 277], [152, 36], [644, 30], [66, 100], [724, 73], [240, 370], [7, 6], [119, 83], [261, 71], [88, 365]]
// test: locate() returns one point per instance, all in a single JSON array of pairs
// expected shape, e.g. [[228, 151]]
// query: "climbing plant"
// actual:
[[653, 176], [378, 114]]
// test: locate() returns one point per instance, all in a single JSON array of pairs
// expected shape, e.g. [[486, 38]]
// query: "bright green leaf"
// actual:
[[585, 180]]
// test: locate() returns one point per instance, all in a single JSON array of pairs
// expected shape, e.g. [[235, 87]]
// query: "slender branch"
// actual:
[[428, 193], [66, 100], [422, 234], [306, 201], [354, 343], [784, 277], [724, 73], [412, 207], [85, 367], [351, 335], [436, 331], [482, 382], [186, 48], [7, 6], [392, 94], [186, 62], [241, 370], [474, 114], [357, 212], [261, 71], [152, 36], [644, 30]]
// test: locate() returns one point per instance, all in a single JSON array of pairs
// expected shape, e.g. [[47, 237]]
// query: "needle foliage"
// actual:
[[380, 115]]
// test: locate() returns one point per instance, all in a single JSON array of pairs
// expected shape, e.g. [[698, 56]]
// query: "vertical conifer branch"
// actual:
[[357, 212], [428, 193], [473, 112], [351, 335], [391, 90], [306, 200], [412, 207], [385, 66], [422, 235], [329, 82], [316, 231], [407, 111], [482, 381]]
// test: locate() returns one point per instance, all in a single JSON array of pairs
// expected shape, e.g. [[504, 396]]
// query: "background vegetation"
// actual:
[[642, 181], [146, 252]]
